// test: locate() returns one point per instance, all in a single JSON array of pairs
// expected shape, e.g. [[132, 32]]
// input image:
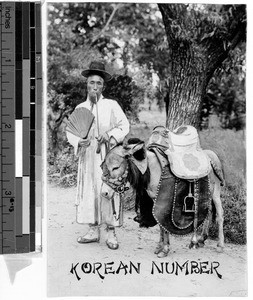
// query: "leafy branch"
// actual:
[[115, 8]]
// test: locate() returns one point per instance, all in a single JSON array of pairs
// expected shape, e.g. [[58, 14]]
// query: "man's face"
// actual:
[[95, 86]]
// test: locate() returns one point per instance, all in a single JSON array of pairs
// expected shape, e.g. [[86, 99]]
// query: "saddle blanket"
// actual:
[[168, 205]]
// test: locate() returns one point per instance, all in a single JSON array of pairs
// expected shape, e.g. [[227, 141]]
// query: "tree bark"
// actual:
[[186, 86], [193, 59]]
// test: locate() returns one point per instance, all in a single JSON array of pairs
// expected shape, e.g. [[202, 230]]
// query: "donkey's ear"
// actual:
[[133, 149], [139, 157], [112, 142], [139, 151], [137, 147]]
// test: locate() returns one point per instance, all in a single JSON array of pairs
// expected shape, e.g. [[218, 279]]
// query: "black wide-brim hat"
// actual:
[[97, 68]]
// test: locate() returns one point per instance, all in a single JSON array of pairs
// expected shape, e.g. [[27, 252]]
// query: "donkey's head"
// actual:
[[123, 165]]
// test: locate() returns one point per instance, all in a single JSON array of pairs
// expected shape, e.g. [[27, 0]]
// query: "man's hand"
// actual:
[[85, 143], [102, 138]]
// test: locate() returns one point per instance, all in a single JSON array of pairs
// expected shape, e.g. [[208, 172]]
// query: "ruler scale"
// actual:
[[1, 157], [26, 127], [32, 125], [38, 127], [19, 128], [8, 127], [20, 131]]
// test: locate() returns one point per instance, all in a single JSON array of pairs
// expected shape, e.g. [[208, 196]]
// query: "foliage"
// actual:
[[235, 224], [62, 167], [123, 89], [226, 92], [230, 147]]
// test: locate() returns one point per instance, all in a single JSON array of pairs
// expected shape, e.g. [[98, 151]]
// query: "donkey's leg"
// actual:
[[194, 241], [166, 243], [216, 190], [219, 212], [198, 240], [159, 245], [205, 230]]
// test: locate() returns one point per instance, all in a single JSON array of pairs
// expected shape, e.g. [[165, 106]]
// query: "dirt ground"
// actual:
[[128, 270]]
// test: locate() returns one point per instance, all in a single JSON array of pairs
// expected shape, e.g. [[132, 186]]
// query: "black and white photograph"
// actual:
[[146, 153], [128, 153]]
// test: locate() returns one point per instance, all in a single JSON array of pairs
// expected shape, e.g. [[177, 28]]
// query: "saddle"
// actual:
[[182, 148], [183, 207], [175, 208]]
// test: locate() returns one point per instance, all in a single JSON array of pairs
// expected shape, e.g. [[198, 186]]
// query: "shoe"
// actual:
[[112, 241], [91, 236]]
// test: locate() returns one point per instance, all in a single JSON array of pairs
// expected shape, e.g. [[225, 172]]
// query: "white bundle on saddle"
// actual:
[[187, 159], [80, 122]]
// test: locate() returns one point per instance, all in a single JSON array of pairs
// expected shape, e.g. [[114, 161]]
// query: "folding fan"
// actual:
[[80, 121]]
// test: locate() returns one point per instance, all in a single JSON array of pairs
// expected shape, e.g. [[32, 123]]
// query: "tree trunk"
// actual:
[[187, 83], [194, 56]]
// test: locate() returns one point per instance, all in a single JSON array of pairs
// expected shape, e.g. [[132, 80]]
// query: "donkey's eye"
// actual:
[[115, 168]]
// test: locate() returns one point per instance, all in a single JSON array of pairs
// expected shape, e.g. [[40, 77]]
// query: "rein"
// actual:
[[119, 187], [117, 184]]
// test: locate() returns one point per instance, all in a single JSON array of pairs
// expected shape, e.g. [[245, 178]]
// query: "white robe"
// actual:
[[91, 207]]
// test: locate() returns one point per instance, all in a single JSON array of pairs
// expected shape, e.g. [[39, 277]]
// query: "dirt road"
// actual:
[[133, 269]]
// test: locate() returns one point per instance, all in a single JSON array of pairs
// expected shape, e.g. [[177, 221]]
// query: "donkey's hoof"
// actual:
[[158, 249], [163, 253], [194, 245], [201, 244], [220, 249]]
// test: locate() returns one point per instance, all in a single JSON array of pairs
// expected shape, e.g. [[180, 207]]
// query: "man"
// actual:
[[110, 124]]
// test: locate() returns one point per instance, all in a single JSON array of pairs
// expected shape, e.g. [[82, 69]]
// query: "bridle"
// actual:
[[119, 186]]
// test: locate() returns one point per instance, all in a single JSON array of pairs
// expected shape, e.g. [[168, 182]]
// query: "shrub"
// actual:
[[62, 167], [229, 146], [129, 96], [234, 205]]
